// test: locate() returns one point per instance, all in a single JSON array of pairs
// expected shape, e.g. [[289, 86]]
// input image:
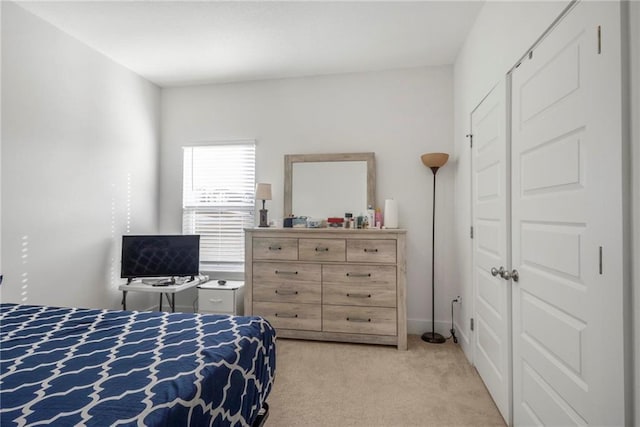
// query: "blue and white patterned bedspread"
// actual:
[[71, 366]]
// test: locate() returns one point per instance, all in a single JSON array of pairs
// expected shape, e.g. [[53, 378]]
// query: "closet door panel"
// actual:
[[568, 363], [490, 194]]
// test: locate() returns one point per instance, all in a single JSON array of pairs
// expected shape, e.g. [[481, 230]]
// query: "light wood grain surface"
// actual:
[[327, 284], [322, 249]]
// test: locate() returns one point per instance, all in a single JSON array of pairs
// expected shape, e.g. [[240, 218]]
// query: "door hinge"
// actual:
[[600, 259], [471, 323], [470, 136], [471, 233], [599, 39]]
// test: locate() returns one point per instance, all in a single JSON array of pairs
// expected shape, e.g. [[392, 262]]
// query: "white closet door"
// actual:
[[490, 176], [568, 365]]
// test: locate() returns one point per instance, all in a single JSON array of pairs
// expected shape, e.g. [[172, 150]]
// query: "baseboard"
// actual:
[[462, 337], [185, 309]]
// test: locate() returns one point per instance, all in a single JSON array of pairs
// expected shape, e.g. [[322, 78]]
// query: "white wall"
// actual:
[[79, 165], [399, 115]]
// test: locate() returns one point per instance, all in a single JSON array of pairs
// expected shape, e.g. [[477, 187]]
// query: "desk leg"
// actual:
[[124, 300], [160, 304]]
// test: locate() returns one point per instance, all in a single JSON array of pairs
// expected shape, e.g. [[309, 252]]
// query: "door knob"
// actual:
[[506, 275], [495, 272]]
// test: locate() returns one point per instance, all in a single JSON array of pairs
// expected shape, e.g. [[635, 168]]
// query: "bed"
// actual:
[[72, 366]]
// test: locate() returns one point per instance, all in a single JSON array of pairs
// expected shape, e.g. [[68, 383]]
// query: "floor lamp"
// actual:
[[434, 161]]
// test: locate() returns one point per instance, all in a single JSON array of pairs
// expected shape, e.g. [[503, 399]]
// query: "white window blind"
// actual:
[[218, 201]]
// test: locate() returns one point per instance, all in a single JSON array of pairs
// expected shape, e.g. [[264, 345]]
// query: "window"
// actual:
[[218, 201]]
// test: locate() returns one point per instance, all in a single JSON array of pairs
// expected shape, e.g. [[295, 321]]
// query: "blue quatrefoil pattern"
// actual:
[[71, 366]]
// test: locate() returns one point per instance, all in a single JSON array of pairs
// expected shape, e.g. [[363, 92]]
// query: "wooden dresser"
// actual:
[[328, 284]]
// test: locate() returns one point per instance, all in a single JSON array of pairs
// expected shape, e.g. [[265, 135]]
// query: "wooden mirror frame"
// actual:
[[290, 159]]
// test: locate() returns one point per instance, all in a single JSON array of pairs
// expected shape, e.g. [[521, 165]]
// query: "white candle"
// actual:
[[390, 213]]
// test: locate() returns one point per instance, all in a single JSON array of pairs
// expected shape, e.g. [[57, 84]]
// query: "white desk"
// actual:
[[169, 291]]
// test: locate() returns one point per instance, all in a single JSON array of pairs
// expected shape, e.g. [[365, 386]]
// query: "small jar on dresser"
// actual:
[[221, 297], [329, 284]]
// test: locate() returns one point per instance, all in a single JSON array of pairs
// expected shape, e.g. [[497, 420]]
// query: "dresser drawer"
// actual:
[[275, 248], [216, 301], [359, 320], [307, 293], [362, 285], [321, 249], [384, 275], [285, 273], [290, 316], [360, 295], [383, 251]]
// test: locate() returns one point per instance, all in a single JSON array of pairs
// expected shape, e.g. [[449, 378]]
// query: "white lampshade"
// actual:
[[263, 191]]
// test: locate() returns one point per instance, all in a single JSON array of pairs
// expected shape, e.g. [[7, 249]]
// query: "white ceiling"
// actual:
[[179, 42]]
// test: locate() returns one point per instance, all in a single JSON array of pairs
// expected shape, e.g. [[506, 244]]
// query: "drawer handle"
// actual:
[[286, 272], [358, 274], [357, 319], [217, 301], [287, 315], [359, 295], [286, 292], [322, 249], [370, 250], [275, 248]]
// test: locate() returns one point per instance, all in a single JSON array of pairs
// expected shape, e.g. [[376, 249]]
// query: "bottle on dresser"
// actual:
[[378, 215], [371, 217]]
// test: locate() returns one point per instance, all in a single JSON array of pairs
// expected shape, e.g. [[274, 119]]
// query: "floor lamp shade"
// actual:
[[434, 161]]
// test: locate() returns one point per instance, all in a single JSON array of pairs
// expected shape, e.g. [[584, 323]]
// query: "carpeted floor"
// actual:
[[334, 384]]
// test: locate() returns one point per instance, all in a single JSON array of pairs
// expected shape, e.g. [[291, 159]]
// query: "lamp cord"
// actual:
[[453, 330]]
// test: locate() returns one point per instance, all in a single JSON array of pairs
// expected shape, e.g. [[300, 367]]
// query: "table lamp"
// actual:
[[263, 192]]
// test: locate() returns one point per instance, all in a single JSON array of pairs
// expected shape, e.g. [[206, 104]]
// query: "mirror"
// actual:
[[328, 185]]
